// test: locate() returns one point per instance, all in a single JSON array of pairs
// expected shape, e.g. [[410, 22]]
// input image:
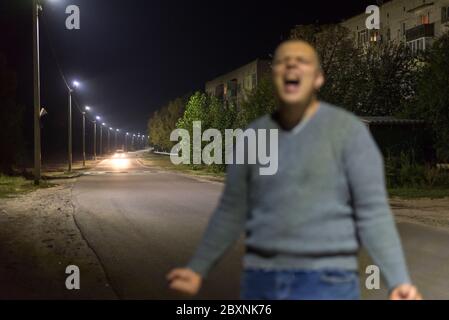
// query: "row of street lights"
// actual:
[[37, 111], [87, 109]]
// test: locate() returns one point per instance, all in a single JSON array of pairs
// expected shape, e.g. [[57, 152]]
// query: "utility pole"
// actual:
[[126, 141], [101, 139], [95, 140], [84, 138], [70, 131], [37, 95], [109, 143]]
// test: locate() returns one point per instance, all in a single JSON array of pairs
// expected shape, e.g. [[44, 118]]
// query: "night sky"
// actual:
[[134, 56]]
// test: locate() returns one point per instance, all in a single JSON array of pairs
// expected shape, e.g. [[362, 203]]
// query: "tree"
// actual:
[[259, 102], [337, 54], [377, 79], [384, 80], [432, 97], [163, 122], [11, 142]]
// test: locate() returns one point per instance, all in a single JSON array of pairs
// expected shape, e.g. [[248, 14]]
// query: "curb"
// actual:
[[62, 177]]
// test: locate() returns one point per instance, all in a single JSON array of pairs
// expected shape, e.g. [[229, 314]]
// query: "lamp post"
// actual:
[[109, 140], [69, 135], [37, 94], [115, 140], [84, 134], [132, 141], [126, 141], [101, 138], [97, 118]]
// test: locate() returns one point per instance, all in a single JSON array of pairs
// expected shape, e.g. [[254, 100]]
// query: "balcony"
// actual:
[[421, 31]]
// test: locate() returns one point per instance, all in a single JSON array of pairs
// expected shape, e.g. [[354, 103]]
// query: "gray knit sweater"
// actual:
[[327, 198]]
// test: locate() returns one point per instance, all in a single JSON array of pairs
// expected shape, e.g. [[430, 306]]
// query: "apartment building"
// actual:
[[235, 85], [416, 22]]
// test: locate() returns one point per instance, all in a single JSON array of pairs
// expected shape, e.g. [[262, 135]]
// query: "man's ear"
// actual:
[[319, 81]]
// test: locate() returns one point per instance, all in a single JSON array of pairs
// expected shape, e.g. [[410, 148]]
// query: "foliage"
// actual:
[[404, 171], [432, 98], [384, 80], [163, 122], [259, 102], [377, 79], [11, 186]]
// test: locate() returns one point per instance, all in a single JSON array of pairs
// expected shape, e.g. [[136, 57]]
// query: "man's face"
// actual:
[[296, 73]]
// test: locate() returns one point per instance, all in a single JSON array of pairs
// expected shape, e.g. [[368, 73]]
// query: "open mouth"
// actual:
[[291, 84]]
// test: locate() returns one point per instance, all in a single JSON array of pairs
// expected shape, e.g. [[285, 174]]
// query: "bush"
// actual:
[[405, 172], [432, 96]]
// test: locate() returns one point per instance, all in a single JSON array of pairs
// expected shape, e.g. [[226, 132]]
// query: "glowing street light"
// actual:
[[109, 139], [75, 84], [95, 136], [126, 141], [115, 141], [101, 138]]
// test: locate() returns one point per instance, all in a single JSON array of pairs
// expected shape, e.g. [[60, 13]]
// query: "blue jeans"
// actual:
[[300, 285]]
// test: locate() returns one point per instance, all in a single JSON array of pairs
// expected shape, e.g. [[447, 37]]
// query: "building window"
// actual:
[[445, 14], [375, 36], [248, 84], [388, 34], [362, 37], [220, 91], [424, 19], [231, 86]]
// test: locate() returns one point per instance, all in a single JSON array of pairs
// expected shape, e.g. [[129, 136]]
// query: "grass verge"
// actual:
[[11, 186], [416, 193], [163, 162]]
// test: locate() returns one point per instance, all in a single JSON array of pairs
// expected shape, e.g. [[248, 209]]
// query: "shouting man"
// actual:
[[304, 225]]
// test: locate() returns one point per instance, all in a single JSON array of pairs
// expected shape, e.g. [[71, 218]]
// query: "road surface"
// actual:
[[141, 222]]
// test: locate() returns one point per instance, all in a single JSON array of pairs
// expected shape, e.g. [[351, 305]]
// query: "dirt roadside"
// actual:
[[38, 240], [429, 212]]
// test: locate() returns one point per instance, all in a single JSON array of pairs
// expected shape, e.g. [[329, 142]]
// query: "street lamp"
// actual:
[[126, 141], [75, 84], [109, 135], [37, 94], [95, 136], [115, 141], [84, 134], [101, 138]]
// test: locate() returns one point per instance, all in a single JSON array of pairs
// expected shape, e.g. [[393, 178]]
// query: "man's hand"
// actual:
[[185, 281], [405, 292]]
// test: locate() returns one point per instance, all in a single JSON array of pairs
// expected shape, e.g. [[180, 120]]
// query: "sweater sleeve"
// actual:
[[227, 222], [374, 221]]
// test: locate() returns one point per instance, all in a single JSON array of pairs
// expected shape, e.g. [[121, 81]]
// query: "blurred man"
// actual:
[[305, 223]]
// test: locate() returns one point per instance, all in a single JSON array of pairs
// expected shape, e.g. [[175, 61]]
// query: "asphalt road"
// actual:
[[141, 222]]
